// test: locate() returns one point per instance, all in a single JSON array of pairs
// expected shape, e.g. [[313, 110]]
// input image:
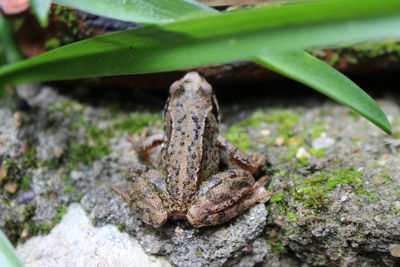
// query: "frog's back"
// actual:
[[190, 154]]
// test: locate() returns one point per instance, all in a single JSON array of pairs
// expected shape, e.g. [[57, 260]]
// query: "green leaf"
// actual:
[[8, 256], [213, 39], [41, 9], [297, 65], [140, 11], [305, 68], [7, 44]]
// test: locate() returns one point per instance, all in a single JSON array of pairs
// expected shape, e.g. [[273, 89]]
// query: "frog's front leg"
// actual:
[[146, 144], [143, 194], [239, 157], [234, 191]]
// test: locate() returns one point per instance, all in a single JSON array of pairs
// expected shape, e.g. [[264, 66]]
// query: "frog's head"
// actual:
[[193, 92]]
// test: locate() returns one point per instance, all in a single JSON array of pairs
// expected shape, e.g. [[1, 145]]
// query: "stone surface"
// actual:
[[348, 223], [75, 242], [182, 244]]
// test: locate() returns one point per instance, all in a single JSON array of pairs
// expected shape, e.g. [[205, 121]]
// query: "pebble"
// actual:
[[302, 153], [280, 141], [75, 242], [322, 142], [3, 173], [395, 250], [11, 187], [18, 119]]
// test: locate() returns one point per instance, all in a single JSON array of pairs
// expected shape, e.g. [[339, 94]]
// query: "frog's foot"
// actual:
[[236, 192], [142, 196]]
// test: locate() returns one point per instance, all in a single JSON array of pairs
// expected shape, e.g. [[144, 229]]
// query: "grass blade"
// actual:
[[297, 65], [303, 67], [8, 256], [141, 11], [7, 44], [41, 9], [213, 39]]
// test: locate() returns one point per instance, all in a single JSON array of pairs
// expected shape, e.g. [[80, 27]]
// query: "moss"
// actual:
[[292, 216], [136, 122], [277, 198], [52, 43], [313, 192], [318, 153], [78, 198], [377, 49], [96, 145], [26, 182], [386, 176], [121, 228], [316, 130], [237, 133], [276, 245], [302, 162], [60, 213], [53, 164], [279, 202], [241, 140], [69, 189], [29, 211]]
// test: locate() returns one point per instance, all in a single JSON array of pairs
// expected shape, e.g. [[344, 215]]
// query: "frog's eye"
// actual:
[[176, 88]]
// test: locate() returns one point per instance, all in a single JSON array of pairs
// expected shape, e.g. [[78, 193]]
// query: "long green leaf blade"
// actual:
[[8, 256], [213, 39], [140, 11], [7, 43], [297, 65], [41, 9], [305, 68]]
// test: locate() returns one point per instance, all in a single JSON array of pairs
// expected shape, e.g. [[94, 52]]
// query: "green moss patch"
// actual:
[[136, 122], [313, 192], [238, 132]]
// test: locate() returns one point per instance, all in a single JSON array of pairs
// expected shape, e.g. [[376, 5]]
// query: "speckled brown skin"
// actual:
[[189, 184]]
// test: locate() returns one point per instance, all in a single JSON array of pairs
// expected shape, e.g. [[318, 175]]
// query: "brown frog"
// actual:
[[187, 183]]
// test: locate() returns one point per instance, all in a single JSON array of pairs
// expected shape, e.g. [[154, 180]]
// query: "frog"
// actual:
[[186, 182]]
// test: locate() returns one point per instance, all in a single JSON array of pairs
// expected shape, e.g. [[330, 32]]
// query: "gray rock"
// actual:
[[182, 244], [323, 142], [75, 242], [52, 143]]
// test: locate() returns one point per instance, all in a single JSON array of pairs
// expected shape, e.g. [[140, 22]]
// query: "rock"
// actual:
[[322, 142], [18, 119], [3, 173], [302, 153], [52, 143], [11, 187], [75, 242], [182, 244], [280, 141], [395, 250]]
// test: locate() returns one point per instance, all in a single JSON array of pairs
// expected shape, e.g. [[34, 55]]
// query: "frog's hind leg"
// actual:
[[142, 195], [236, 192]]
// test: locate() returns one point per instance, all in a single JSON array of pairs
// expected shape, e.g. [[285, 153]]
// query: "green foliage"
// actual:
[[26, 182], [8, 255], [276, 245], [292, 216], [313, 192], [60, 213], [136, 122], [141, 11], [264, 34], [69, 189], [318, 153], [41, 9]]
